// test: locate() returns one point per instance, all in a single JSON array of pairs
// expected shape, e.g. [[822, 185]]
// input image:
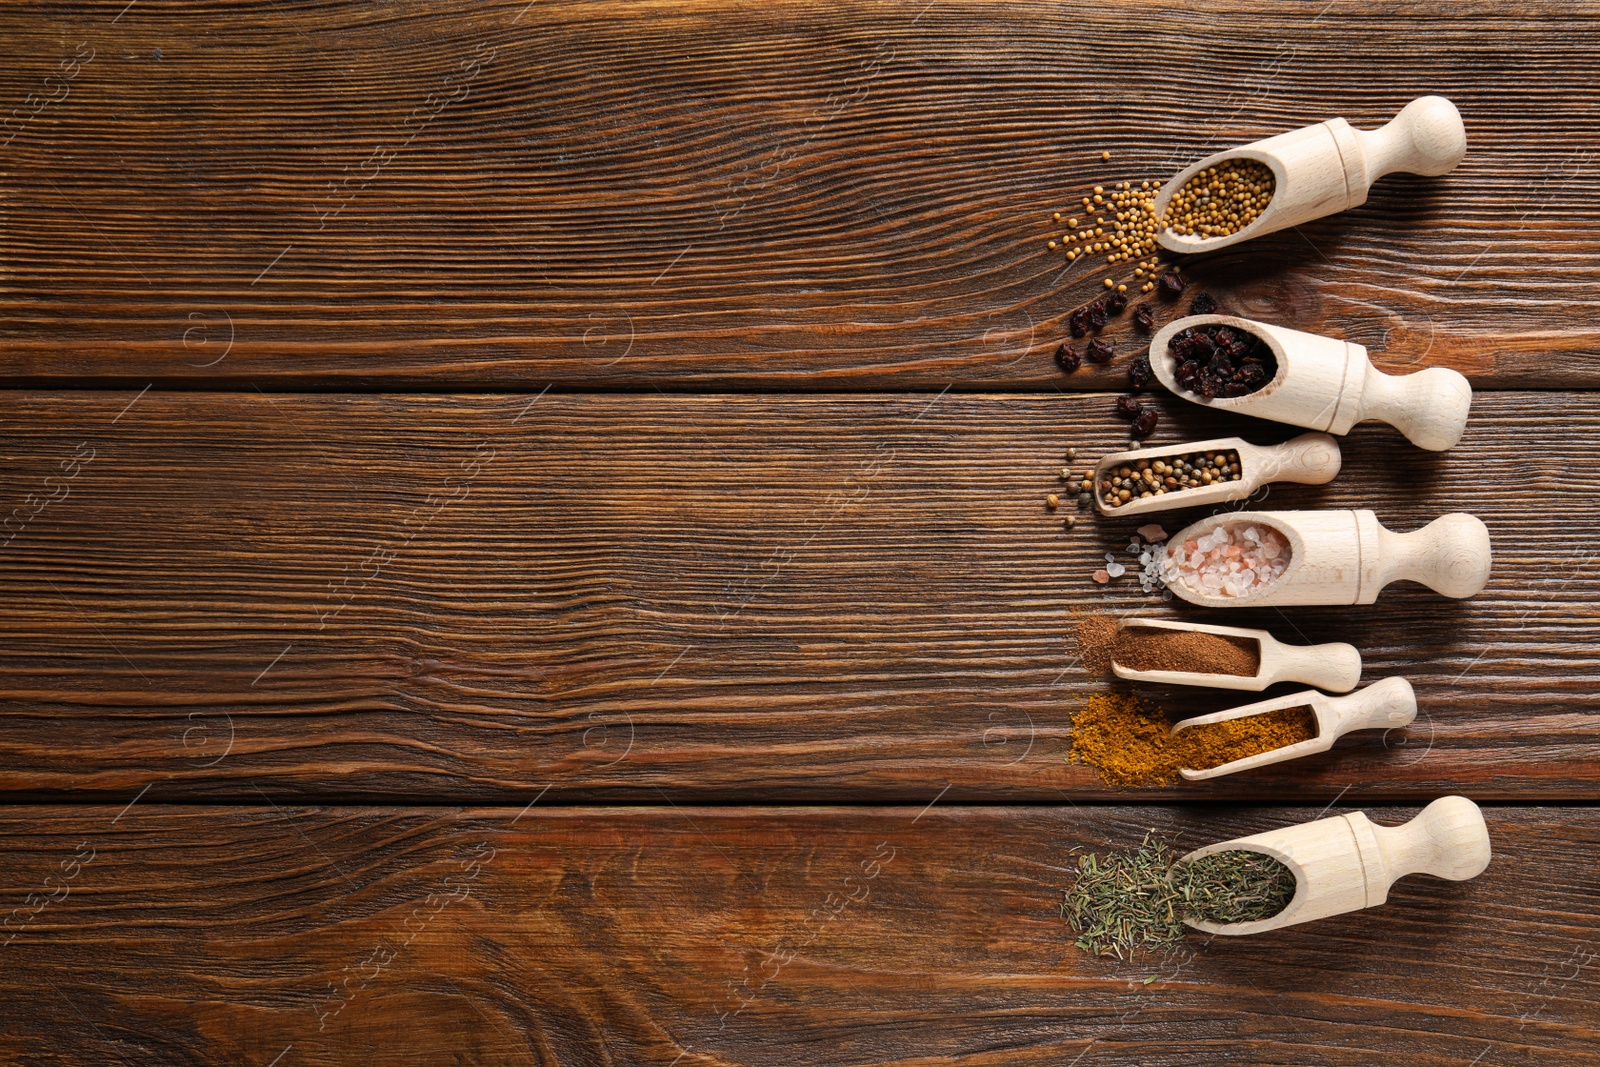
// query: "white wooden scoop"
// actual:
[[1327, 168], [1384, 705], [1335, 666], [1324, 383], [1348, 862], [1310, 459], [1346, 557]]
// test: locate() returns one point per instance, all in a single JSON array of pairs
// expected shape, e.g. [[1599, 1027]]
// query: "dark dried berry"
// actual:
[[1206, 386], [1220, 367], [1235, 389], [1184, 347], [1098, 352], [1238, 349], [1224, 337], [1078, 322], [1202, 347], [1170, 283], [1187, 373], [1129, 407], [1097, 315], [1145, 424], [1140, 372], [1068, 359], [1251, 375], [1144, 317], [1204, 304], [1115, 302]]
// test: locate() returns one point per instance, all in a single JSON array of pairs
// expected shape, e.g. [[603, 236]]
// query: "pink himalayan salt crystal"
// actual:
[[1234, 559], [1101, 576]]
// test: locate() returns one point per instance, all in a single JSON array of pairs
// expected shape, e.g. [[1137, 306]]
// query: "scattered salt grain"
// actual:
[[1116, 570], [1152, 533], [1102, 577]]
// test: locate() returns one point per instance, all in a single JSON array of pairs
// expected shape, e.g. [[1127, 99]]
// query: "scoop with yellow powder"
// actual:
[[1292, 726]]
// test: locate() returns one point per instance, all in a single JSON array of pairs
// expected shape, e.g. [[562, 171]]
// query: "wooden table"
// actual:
[[527, 537]]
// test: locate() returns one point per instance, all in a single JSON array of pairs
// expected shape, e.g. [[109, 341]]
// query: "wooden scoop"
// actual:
[[1383, 705], [1346, 557], [1327, 168], [1335, 666], [1324, 383], [1311, 459], [1347, 863]]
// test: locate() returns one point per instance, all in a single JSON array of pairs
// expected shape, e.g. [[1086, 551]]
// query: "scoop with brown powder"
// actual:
[[1102, 642]]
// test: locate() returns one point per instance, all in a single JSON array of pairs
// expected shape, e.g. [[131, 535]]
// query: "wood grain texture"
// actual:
[[725, 598], [719, 195], [727, 937]]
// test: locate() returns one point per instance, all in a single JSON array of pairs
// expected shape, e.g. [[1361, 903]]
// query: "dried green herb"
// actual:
[[1137, 900]]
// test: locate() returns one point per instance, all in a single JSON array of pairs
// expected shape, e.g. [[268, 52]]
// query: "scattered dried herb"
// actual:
[[1122, 903]]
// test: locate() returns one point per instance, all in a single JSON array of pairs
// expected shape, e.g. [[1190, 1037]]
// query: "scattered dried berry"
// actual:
[[1145, 317], [1170, 283], [1145, 424], [1099, 351], [1129, 407], [1140, 372], [1097, 315], [1115, 302], [1078, 322], [1068, 359], [1204, 304]]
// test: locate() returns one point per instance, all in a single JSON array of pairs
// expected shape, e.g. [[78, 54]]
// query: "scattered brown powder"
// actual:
[[1142, 648], [1097, 634], [1129, 741]]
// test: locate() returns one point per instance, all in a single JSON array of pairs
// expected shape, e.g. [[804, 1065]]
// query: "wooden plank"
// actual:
[[751, 937], [724, 195], [715, 598]]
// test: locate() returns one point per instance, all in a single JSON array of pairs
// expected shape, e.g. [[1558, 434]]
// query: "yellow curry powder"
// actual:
[[1129, 740]]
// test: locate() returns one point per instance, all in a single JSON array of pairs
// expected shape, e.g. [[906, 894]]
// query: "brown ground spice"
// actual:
[[1141, 648], [1128, 740], [1097, 634]]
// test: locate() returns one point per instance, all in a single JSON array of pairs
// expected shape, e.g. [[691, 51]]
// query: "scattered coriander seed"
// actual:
[[1072, 520], [1052, 501], [1084, 500], [1072, 453]]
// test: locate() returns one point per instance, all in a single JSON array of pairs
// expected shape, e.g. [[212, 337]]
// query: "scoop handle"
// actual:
[[1430, 407], [1310, 459], [1334, 666], [1448, 839], [1427, 137], [1384, 705], [1450, 555]]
